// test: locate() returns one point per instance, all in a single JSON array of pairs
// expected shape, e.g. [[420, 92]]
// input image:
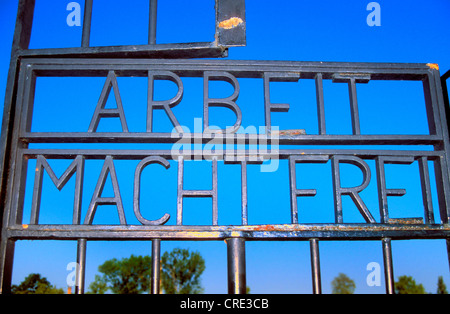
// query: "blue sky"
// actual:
[[410, 31]]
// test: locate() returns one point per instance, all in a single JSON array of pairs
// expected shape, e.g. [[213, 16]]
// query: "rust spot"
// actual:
[[406, 221], [25, 226], [265, 228], [433, 66], [231, 23], [289, 132]]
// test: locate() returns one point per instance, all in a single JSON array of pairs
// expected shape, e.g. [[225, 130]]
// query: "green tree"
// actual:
[[125, 276], [407, 285], [35, 284], [98, 286], [442, 288], [181, 271], [342, 284]]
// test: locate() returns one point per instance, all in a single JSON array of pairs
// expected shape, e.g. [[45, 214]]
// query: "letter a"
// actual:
[[101, 112], [97, 199], [374, 18]]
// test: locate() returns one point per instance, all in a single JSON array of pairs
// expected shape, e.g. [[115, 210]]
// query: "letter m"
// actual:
[[76, 166]]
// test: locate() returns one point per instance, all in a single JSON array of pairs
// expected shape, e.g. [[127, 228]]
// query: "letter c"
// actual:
[[137, 190]]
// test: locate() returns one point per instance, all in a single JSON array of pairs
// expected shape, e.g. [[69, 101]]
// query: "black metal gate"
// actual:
[[112, 62]]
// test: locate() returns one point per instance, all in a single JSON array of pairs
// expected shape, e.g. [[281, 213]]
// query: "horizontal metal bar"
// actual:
[[227, 155], [260, 232], [327, 139], [179, 50], [240, 69]]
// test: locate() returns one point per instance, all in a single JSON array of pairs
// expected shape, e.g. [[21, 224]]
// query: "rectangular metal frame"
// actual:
[[225, 36], [385, 230]]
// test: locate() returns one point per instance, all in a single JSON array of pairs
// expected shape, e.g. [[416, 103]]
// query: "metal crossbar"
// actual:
[[20, 145]]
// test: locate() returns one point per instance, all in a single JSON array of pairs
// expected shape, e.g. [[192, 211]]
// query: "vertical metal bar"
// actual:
[[21, 40], [388, 266], [293, 184], [432, 113], [8, 145], [6, 264], [244, 193], [81, 269], [426, 190], [24, 24], [215, 207], [236, 266], [230, 36], [152, 22], [156, 266], [180, 190], [382, 196], [438, 104], [336, 185], [315, 266], [445, 95], [320, 104], [354, 106], [443, 189], [267, 110], [18, 190], [86, 35], [448, 251]]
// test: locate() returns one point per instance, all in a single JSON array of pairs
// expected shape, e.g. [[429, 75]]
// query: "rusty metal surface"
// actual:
[[288, 232]]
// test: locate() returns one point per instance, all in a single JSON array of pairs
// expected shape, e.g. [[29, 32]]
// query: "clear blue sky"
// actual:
[[410, 31]]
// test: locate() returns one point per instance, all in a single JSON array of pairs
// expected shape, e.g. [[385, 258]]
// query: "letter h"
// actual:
[[196, 193]]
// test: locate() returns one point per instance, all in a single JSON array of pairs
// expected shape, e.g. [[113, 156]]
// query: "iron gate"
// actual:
[[110, 63]]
